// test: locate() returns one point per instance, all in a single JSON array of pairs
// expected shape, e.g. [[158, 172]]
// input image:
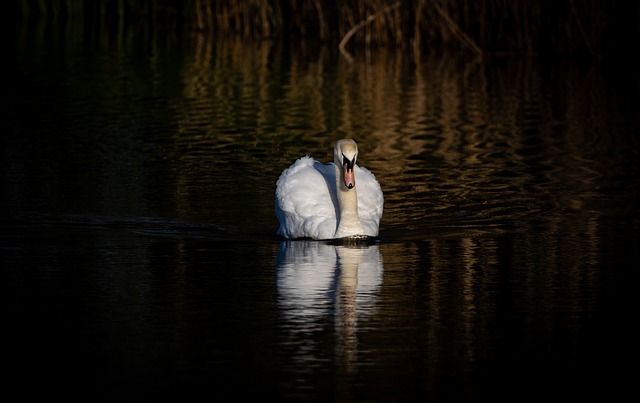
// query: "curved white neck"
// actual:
[[348, 219]]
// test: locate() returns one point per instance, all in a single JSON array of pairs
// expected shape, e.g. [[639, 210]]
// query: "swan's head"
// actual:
[[345, 154]]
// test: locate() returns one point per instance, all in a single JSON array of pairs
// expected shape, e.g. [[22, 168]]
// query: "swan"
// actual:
[[329, 201]]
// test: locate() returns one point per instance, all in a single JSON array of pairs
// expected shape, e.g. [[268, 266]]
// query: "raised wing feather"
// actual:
[[303, 203]]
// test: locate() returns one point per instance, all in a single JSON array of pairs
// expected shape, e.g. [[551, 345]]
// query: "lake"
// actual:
[[139, 253]]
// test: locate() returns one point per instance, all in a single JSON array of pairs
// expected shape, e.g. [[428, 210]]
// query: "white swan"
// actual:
[[319, 201]]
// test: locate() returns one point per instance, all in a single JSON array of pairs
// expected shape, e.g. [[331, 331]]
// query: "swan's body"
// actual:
[[328, 201]]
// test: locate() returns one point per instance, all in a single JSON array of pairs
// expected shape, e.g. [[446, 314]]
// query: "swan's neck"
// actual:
[[348, 218]]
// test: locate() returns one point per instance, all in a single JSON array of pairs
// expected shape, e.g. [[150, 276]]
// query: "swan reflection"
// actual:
[[322, 285]]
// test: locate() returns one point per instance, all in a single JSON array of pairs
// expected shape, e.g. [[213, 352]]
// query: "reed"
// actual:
[[587, 27]]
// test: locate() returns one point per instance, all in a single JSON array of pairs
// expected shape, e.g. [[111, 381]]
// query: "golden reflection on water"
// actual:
[[454, 144]]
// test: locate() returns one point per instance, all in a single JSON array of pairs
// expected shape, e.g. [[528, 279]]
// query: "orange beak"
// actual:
[[349, 175]]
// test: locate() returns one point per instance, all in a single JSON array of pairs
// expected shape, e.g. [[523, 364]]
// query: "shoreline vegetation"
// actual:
[[591, 28]]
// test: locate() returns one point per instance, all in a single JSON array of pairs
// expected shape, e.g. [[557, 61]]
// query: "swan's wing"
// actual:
[[370, 200], [303, 202]]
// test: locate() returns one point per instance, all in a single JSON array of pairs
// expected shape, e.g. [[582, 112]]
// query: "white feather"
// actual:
[[307, 204]]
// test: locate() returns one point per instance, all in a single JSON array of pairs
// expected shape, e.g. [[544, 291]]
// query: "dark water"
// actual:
[[138, 242]]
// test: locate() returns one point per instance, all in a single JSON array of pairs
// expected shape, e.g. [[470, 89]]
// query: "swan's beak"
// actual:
[[349, 175]]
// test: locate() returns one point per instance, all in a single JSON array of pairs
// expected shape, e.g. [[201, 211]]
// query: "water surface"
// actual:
[[139, 252]]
